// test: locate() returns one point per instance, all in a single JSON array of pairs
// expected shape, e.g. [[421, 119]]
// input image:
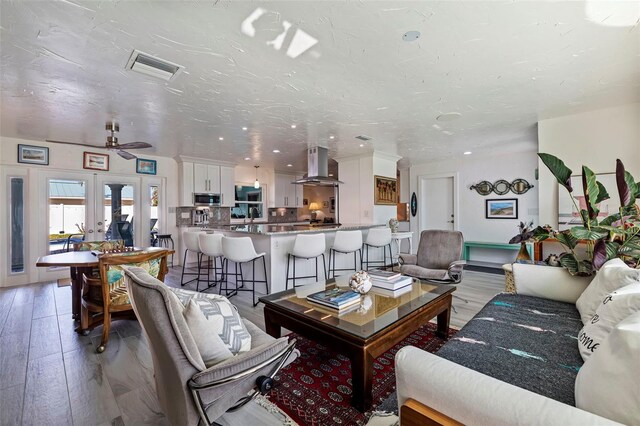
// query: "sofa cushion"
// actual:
[[613, 275], [526, 341], [614, 308], [607, 384]]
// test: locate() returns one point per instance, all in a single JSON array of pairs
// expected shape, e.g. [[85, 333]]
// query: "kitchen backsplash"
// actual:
[[218, 216], [282, 215]]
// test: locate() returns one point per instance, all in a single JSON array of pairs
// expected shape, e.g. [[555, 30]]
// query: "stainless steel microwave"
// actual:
[[206, 199]]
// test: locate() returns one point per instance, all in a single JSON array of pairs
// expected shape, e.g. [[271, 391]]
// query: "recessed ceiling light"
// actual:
[[247, 158], [411, 35], [289, 165], [332, 137], [221, 138], [467, 153], [276, 151], [449, 116], [244, 128], [361, 145], [293, 126]]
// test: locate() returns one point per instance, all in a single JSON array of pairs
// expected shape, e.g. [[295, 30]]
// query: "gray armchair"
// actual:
[[189, 392], [438, 259]]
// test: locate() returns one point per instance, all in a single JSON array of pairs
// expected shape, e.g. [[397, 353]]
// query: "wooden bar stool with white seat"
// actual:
[[378, 238], [211, 246], [240, 250], [306, 247], [191, 244], [346, 242]]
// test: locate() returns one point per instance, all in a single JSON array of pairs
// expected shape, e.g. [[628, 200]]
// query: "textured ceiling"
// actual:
[[340, 69]]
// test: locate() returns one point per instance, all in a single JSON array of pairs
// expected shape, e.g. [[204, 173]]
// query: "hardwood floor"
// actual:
[[51, 375]]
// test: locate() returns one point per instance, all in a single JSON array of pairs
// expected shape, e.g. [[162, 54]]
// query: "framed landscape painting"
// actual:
[[505, 208], [385, 191], [95, 161], [146, 167], [30, 154]]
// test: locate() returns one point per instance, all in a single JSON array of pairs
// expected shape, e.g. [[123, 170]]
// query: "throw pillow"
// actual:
[[211, 347], [614, 308], [607, 384], [223, 319], [613, 275], [186, 295]]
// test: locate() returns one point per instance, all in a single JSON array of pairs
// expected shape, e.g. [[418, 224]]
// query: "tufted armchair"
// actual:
[[438, 258]]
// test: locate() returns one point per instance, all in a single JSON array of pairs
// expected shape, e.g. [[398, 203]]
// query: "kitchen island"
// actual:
[[276, 240]]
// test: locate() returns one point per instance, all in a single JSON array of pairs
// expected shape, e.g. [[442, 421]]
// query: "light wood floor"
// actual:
[[51, 375]]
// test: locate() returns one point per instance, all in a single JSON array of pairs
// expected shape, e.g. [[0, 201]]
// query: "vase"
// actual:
[[523, 254]]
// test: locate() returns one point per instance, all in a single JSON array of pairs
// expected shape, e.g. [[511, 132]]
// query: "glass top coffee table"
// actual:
[[362, 334]]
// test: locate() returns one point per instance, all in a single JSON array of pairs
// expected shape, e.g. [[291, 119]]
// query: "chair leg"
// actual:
[[225, 264], [286, 283], [294, 272], [316, 268], [84, 319], [106, 327], [361, 259], [184, 263], [266, 279], [324, 267]]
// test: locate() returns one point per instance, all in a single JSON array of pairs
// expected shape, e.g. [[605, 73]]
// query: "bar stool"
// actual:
[[190, 239], [378, 237], [306, 247], [211, 246], [346, 242], [240, 250]]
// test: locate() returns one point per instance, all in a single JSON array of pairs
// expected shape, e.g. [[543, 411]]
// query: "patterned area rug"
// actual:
[[315, 389]]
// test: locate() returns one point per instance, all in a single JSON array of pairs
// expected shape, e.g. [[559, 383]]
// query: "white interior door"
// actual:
[[437, 204], [118, 210]]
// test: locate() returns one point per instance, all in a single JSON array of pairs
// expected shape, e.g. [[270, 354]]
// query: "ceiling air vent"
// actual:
[[150, 65], [363, 138]]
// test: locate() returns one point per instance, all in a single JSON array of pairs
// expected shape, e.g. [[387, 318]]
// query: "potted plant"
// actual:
[[617, 235]]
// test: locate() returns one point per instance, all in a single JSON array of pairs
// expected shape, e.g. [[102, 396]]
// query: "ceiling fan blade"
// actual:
[[134, 145], [74, 143], [126, 155]]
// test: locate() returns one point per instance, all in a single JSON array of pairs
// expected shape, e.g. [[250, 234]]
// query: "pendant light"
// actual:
[[256, 185]]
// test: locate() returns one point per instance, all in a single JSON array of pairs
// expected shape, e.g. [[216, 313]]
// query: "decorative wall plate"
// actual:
[[501, 187], [414, 204], [483, 188]]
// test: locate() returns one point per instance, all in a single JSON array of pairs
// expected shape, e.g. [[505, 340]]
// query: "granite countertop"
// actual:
[[266, 229]]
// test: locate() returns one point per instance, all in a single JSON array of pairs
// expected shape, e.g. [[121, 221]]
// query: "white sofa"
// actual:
[[464, 395]]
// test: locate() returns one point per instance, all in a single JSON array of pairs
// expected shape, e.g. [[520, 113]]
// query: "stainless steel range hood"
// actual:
[[318, 169]]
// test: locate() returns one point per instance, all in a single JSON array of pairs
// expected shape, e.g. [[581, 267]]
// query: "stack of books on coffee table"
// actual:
[[389, 283], [336, 298]]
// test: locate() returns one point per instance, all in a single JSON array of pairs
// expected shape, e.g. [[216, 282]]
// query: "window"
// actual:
[[250, 203], [16, 221]]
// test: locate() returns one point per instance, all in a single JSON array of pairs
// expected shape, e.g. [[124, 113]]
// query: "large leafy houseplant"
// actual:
[[617, 235]]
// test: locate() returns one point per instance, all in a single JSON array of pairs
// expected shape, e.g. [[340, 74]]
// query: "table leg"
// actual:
[[361, 379], [272, 327], [76, 288], [443, 321]]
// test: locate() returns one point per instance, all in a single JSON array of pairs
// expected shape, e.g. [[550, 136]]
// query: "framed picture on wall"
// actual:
[[95, 161], [30, 154], [146, 167], [503, 208], [385, 191]]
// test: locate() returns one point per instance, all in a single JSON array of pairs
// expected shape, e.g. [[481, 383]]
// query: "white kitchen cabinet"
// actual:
[[206, 178], [299, 193], [286, 193], [227, 185]]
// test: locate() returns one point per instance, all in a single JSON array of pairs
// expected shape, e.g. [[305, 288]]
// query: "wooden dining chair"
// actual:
[[105, 297]]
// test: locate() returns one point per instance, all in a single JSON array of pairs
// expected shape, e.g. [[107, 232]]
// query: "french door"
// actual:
[[87, 207]]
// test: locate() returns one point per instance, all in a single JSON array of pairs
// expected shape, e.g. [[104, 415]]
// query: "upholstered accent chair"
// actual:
[[189, 392], [438, 258], [105, 297]]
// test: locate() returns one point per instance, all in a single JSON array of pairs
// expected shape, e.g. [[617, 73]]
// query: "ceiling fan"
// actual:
[[112, 143]]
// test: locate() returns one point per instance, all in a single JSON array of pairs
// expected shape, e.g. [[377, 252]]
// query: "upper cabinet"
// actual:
[[201, 177], [286, 193]]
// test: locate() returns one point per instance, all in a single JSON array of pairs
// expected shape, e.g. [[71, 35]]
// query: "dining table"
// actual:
[[79, 263]]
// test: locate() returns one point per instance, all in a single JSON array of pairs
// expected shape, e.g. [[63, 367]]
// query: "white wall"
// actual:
[[471, 221], [387, 166], [595, 139], [68, 159]]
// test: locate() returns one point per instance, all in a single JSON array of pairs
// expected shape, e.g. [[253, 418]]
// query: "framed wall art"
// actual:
[[146, 167], [95, 161], [30, 154], [385, 191], [503, 208]]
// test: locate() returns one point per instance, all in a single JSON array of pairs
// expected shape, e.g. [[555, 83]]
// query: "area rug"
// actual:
[[315, 389]]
